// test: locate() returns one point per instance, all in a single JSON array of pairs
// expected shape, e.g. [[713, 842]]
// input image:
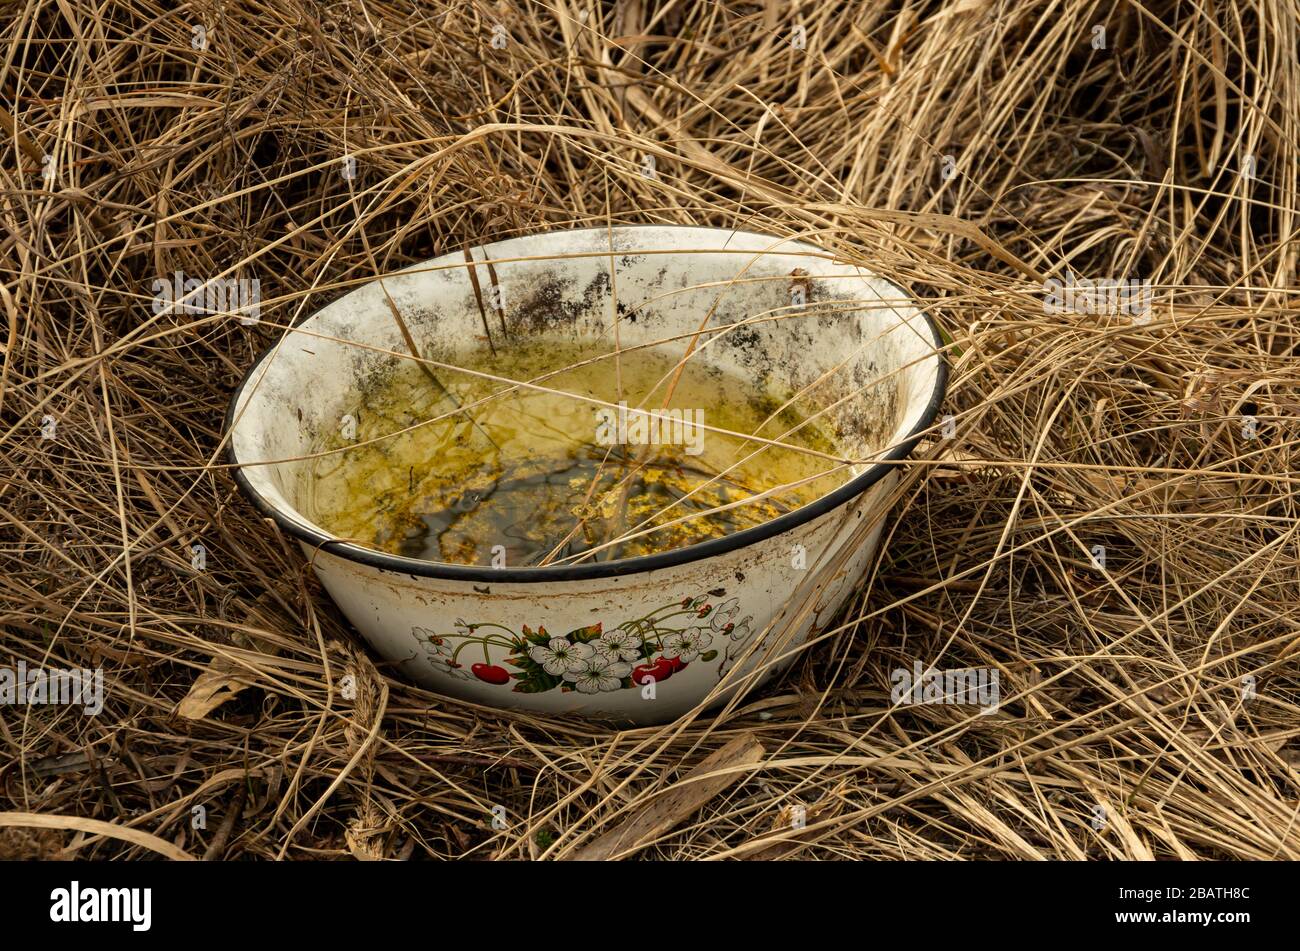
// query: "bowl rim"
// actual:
[[419, 568]]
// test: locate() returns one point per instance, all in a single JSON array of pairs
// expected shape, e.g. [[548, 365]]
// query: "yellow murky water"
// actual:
[[530, 477]]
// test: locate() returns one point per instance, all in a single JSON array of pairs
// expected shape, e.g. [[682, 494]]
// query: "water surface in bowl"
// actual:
[[526, 476]]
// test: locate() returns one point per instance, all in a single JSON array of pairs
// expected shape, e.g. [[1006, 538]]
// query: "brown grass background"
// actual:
[[1122, 688]]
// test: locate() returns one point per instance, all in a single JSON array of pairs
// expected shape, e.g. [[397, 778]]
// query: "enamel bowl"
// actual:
[[642, 639]]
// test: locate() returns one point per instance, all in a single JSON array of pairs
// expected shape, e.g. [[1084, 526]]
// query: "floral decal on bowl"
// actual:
[[592, 660]]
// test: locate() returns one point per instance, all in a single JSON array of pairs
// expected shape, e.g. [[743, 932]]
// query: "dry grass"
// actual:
[[1122, 687]]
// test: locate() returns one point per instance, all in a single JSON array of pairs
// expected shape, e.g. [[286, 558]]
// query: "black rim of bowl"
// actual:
[[419, 568]]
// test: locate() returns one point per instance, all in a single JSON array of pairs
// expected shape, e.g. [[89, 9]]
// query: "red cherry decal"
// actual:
[[674, 664], [490, 673], [645, 673]]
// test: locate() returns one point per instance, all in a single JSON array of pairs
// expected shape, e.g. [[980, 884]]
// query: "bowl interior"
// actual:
[[777, 314]]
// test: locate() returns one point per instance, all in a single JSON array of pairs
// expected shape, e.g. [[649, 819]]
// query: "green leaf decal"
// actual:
[[584, 634]]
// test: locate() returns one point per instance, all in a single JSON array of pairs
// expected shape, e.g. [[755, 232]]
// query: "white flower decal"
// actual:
[[617, 646], [439, 653], [431, 642], [596, 674], [559, 656], [740, 637], [687, 645], [725, 613]]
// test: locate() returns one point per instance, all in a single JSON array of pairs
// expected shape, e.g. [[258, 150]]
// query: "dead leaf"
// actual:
[[219, 683]]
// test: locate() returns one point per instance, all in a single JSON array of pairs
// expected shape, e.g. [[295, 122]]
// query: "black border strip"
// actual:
[[419, 568]]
